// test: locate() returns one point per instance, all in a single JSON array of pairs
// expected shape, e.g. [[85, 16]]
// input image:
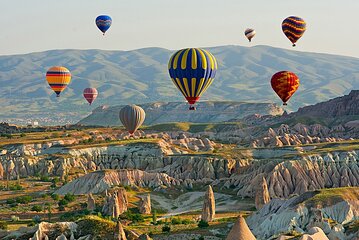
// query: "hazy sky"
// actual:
[[38, 25]]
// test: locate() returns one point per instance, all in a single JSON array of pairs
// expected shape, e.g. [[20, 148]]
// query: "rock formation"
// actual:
[[297, 213], [262, 194], [145, 204], [91, 204], [99, 181], [2, 172], [44, 229], [122, 200], [314, 233], [119, 233], [115, 204], [240, 231], [209, 207]]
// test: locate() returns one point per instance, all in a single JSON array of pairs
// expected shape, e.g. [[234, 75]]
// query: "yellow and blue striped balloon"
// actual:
[[192, 70]]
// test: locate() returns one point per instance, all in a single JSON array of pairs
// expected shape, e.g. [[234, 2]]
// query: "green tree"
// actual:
[[203, 224], [154, 216], [49, 212], [166, 228], [36, 208]]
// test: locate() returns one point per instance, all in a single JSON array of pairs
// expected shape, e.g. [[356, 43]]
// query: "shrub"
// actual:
[[15, 187], [203, 224], [44, 178], [37, 208], [176, 221], [186, 221], [3, 225], [63, 202], [61, 208], [55, 196], [69, 197], [23, 199], [10, 201], [36, 219], [134, 217], [166, 228]]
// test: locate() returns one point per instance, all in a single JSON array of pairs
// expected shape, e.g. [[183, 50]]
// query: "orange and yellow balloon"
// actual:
[[58, 78], [285, 84]]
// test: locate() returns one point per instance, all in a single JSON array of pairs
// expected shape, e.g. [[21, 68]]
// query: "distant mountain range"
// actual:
[[207, 112], [140, 76]]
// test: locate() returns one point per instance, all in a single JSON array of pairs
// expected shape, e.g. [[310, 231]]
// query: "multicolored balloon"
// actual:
[[132, 117], [103, 22], [285, 84], [58, 79], [294, 28], [249, 33], [90, 94], [192, 70]]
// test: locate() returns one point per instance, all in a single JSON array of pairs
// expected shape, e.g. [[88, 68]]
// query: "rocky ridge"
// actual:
[[311, 209]]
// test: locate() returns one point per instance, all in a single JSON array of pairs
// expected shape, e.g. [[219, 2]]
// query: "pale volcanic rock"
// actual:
[[119, 233], [44, 229], [314, 233], [209, 206], [262, 194], [61, 237], [122, 200], [297, 213], [2, 172], [99, 181], [309, 172], [145, 204], [115, 203], [91, 204], [240, 231]]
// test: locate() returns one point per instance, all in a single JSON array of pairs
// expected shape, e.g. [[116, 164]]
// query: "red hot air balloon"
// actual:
[[90, 94], [285, 84]]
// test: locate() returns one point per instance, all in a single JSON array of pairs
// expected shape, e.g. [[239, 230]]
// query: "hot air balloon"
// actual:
[[285, 84], [192, 70], [90, 94], [132, 117], [58, 79], [294, 28], [103, 22], [249, 32]]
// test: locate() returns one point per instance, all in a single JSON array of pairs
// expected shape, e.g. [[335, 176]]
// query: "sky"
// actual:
[[39, 25]]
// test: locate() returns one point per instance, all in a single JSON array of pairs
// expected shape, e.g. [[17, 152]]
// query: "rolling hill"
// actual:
[[140, 76]]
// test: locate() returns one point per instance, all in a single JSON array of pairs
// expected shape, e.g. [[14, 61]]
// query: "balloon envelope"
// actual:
[[132, 117], [58, 78], [192, 70], [285, 84], [90, 94], [294, 28], [249, 33], [103, 22]]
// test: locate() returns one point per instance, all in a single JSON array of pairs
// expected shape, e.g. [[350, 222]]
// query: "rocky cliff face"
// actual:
[[100, 181], [311, 209], [302, 134], [334, 108], [305, 173]]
